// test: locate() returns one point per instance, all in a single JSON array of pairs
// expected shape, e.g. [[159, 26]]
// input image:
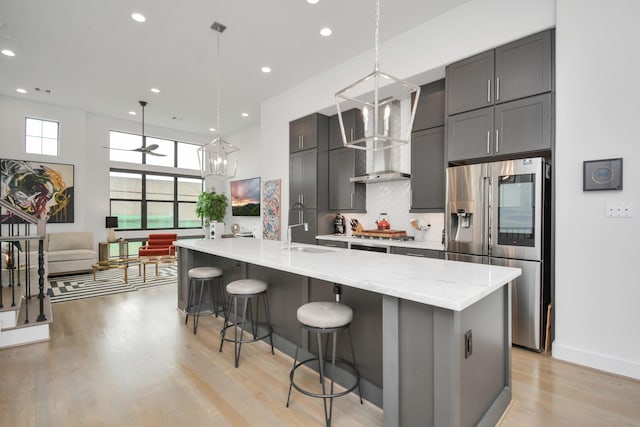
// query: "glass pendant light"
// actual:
[[386, 104], [218, 157]]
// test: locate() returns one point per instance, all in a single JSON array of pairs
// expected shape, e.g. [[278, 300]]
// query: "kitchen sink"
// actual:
[[311, 249]]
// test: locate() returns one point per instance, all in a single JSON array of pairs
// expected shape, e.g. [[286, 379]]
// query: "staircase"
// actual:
[[25, 310]]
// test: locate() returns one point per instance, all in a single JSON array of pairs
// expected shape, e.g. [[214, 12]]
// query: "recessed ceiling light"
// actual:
[[312, 1], [133, 113], [7, 52], [155, 90], [20, 90], [326, 32], [245, 114], [265, 69], [138, 17], [212, 129]]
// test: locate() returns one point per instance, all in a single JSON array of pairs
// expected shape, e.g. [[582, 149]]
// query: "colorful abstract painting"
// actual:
[[44, 190], [271, 210]]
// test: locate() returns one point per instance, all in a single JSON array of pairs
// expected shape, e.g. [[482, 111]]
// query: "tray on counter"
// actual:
[[380, 233]]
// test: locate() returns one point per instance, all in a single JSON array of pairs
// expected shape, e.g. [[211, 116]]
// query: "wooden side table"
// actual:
[[104, 249]]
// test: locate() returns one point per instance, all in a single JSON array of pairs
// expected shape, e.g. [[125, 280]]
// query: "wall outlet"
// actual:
[[468, 344], [618, 209]]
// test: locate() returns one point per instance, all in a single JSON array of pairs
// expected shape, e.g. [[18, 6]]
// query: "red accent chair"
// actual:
[[159, 244]]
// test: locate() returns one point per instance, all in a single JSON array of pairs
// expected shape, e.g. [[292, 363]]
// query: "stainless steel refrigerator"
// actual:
[[499, 213]]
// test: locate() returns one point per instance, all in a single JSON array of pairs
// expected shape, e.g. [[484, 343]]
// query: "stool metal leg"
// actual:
[[353, 359], [225, 325], [293, 369], [196, 318], [189, 301]]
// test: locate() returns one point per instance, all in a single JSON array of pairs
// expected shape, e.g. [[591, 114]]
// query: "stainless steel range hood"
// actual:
[[381, 167]]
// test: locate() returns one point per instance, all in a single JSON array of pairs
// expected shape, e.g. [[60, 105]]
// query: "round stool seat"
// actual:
[[204, 272], [246, 287], [325, 315]]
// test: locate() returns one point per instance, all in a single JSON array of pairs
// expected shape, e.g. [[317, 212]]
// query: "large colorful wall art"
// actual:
[[271, 210], [44, 190]]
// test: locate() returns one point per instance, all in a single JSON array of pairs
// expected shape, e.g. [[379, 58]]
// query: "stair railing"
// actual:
[[18, 228]]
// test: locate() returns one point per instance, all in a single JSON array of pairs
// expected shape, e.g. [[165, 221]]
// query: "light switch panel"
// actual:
[[619, 209]]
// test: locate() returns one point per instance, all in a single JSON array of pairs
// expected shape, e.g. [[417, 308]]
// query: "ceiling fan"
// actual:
[[146, 149]]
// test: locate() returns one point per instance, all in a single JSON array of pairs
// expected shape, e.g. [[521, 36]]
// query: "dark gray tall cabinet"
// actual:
[[308, 169], [427, 150], [500, 102], [345, 163]]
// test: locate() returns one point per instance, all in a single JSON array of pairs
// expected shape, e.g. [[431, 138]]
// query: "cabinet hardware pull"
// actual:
[[488, 141], [351, 132], [301, 141], [414, 254], [329, 244], [351, 200], [489, 91], [497, 140], [302, 199], [497, 88]]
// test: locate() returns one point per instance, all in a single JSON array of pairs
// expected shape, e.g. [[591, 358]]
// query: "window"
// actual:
[[147, 201], [172, 153], [41, 137]]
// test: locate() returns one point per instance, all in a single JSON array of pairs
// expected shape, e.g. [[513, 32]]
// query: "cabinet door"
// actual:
[[430, 111], [523, 68], [427, 170], [344, 195], [298, 234], [470, 135], [417, 252], [523, 125], [353, 128], [302, 178], [470, 83], [303, 133]]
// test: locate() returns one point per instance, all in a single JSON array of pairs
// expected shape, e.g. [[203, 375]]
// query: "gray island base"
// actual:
[[435, 333]]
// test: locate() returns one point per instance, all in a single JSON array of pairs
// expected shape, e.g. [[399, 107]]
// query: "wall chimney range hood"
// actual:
[[381, 167], [383, 176]]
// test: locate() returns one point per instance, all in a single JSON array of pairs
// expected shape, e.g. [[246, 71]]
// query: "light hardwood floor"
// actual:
[[129, 360]]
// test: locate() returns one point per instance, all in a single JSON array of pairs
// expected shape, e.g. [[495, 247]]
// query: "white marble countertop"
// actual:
[[434, 246], [447, 284]]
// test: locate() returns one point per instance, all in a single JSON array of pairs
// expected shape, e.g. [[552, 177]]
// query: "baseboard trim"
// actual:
[[602, 362]]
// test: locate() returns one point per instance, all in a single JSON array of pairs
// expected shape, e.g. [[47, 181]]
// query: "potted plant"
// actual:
[[211, 207]]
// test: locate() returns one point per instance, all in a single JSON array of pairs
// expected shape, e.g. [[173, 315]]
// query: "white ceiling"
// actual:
[[94, 57]]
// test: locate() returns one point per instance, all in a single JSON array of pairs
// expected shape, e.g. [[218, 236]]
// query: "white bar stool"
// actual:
[[198, 277], [248, 290], [325, 318]]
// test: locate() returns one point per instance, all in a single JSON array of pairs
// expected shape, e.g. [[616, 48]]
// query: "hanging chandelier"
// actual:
[[387, 106], [218, 157]]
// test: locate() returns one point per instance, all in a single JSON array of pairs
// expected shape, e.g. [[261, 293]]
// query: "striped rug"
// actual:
[[69, 288]]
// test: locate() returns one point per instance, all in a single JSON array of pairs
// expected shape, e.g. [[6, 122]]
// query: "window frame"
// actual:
[[41, 137]]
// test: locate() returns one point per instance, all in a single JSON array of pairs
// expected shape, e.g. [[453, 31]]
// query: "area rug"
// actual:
[[69, 288]]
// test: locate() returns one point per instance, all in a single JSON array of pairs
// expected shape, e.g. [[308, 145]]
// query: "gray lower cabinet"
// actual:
[[516, 70], [344, 195], [332, 243], [303, 167], [298, 234], [423, 253], [428, 170], [520, 126]]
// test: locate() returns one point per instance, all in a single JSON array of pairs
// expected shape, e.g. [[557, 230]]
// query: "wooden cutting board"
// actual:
[[380, 233]]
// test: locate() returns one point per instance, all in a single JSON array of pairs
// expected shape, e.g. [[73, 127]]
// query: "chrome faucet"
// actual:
[[306, 228]]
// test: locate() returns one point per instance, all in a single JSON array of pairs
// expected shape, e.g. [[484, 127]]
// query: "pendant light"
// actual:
[[386, 104], [218, 157]]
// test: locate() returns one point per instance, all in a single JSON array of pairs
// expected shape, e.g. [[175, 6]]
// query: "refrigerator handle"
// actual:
[[488, 215]]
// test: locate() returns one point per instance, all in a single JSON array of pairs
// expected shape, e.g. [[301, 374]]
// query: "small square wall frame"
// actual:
[[600, 175]]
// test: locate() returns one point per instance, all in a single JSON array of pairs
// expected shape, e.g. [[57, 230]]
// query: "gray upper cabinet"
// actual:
[[304, 133], [427, 170], [524, 67], [430, 111], [344, 195], [470, 83], [524, 125], [302, 179], [512, 71], [353, 128], [470, 135]]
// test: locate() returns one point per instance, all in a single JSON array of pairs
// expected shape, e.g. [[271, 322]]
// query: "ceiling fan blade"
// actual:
[[155, 154], [151, 147]]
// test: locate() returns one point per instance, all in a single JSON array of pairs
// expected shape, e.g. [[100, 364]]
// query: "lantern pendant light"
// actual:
[[386, 106], [218, 157]]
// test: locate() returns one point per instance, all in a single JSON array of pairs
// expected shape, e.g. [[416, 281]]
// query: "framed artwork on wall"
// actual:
[[44, 190], [602, 175], [271, 209]]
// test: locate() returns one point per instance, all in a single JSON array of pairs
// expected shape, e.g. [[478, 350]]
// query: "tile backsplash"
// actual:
[[393, 198]]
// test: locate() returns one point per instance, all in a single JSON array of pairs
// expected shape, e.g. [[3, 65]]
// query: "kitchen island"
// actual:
[[435, 333]]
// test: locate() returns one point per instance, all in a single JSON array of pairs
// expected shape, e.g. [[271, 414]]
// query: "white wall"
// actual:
[[597, 111]]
